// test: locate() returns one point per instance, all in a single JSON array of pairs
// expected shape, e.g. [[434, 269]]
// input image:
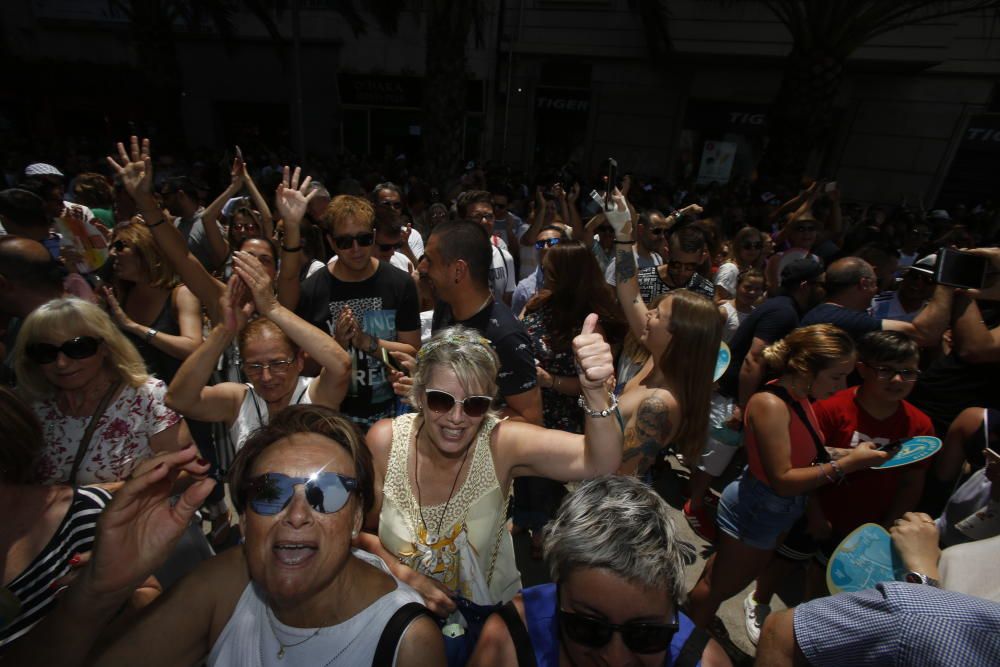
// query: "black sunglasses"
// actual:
[[442, 402], [81, 347], [638, 637], [326, 492], [346, 242], [546, 243]]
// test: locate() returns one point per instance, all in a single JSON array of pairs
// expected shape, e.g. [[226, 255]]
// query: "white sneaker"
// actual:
[[754, 614]]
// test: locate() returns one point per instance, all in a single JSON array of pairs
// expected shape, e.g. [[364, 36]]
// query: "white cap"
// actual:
[[41, 169]]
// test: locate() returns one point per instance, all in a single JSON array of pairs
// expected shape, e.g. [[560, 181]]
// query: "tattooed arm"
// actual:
[[627, 287], [649, 429]]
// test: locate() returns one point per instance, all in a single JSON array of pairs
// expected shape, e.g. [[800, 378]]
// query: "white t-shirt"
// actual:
[[734, 319], [726, 277], [501, 273], [416, 242]]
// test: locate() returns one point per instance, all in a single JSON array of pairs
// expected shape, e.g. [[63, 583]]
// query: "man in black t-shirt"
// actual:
[[850, 285], [801, 289], [365, 304], [688, 252], [457, 263]]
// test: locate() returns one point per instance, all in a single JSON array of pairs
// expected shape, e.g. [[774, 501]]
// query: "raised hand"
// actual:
[[346, 328], [253, 275], [236, 311], [140, 526], [593, 356], [619, 216], [134, 168], [291, 198]]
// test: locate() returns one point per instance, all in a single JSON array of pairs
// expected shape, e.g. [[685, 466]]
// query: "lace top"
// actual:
[[474, 554]]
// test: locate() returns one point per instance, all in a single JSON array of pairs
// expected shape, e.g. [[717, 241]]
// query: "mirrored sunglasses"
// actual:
[[326, 492]]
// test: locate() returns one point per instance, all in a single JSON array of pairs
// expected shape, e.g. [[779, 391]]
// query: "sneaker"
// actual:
[[754, 614], [701, 523]]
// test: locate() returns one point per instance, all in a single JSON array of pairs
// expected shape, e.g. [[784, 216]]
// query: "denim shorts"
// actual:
[[752, 513]]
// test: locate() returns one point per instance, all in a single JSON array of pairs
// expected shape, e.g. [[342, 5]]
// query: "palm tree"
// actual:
[[824, 35]]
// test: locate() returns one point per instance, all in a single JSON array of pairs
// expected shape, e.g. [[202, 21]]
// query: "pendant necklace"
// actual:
[[282, 646], [432, 539]]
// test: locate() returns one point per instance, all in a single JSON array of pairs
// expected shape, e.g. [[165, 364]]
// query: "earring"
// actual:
[[354, 533]]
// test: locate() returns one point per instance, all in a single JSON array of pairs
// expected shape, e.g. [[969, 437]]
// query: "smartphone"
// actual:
[[960, 269], [611, 184], [830, 187], [391, 363], [239, 154]]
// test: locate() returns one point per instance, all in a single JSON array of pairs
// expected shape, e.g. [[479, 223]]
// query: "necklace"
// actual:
[[432, 539], [281, 651]]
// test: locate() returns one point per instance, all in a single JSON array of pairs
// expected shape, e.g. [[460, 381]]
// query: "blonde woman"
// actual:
[[443, 474], [160, 316], [786, 461], [78, 369]]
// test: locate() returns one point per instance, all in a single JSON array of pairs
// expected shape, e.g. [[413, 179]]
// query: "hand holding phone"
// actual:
[[957, 268]]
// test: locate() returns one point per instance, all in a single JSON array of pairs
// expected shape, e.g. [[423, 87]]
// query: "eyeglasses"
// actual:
[[392, 204], [346, 242], [386, 247], [805, 228], [119, 245], [638, 637], [605, 229], [441, 402], [326, 492], [546, 243], [482, 217], [279, 367], [675, 266], [81, 347], [759, 245], [888, 373]]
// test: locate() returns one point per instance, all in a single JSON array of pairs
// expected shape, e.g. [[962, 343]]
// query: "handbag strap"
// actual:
[[385, 651], [822, 456], [88, 434], [693, 647], [519, 634]]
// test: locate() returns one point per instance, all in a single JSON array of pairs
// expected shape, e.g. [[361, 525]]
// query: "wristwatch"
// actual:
[[151, 334], [913, 577]]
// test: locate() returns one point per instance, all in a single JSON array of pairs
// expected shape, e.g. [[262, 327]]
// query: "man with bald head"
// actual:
[[851, 283], [29, 277]]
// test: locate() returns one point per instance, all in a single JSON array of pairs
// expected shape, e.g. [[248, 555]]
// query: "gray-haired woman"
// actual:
[[618, 572]]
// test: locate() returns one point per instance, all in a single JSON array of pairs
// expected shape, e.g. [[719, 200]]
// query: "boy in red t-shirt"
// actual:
[[875, 412]]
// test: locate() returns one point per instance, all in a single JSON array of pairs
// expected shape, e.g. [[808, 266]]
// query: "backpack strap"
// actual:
[[822, 456], [693, 647], [519, 635], [385, 651]]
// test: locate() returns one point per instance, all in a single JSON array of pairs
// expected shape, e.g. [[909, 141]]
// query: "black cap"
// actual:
[[800, 270]]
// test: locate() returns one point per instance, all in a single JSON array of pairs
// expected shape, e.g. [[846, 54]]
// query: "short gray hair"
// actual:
[[619, 524], [465, 352]]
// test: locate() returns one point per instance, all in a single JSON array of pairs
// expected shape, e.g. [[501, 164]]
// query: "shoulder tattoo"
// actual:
[[648, 434]]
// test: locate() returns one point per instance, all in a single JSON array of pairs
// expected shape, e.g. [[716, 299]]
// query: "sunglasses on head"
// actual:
[[638, 637], [759, 245], [326, 492], [443, 402], [119, 245], [81, 347], [346, 242], [546, 243]]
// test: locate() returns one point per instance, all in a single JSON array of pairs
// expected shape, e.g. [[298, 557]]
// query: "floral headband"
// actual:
[[456, 340]]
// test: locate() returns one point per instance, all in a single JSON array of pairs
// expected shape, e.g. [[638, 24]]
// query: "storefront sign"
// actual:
[[562, 100], [716, 162], [983, 133]]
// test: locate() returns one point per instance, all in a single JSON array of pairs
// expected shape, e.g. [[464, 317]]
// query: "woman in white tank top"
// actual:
[[295, 594]]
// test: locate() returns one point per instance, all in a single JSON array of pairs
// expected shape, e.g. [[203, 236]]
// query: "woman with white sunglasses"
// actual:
[[443, 475]]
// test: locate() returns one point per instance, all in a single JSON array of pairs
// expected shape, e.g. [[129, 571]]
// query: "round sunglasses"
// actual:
[[639, 637], [81, 347], [326, 492], [442, 402]]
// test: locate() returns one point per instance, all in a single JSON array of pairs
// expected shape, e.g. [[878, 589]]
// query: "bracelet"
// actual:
[[837, 469], [157, 223], [295, 249], [599, 414]]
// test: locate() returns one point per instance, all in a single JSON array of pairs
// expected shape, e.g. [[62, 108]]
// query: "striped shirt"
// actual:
[[74, 535], [899, 624]]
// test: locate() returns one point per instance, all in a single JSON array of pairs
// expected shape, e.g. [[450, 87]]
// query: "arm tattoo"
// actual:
[[648, 434], [624, 263]]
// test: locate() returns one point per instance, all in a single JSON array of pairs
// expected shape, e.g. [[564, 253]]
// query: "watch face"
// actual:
[[913, 578]]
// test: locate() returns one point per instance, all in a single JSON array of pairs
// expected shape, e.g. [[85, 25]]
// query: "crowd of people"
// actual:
[[309, 417]]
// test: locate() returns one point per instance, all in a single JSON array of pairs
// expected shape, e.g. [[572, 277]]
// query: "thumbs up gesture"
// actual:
[[593, 356]]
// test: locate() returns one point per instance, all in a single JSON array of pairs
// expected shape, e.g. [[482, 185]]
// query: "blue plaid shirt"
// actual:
[[905, 625]]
